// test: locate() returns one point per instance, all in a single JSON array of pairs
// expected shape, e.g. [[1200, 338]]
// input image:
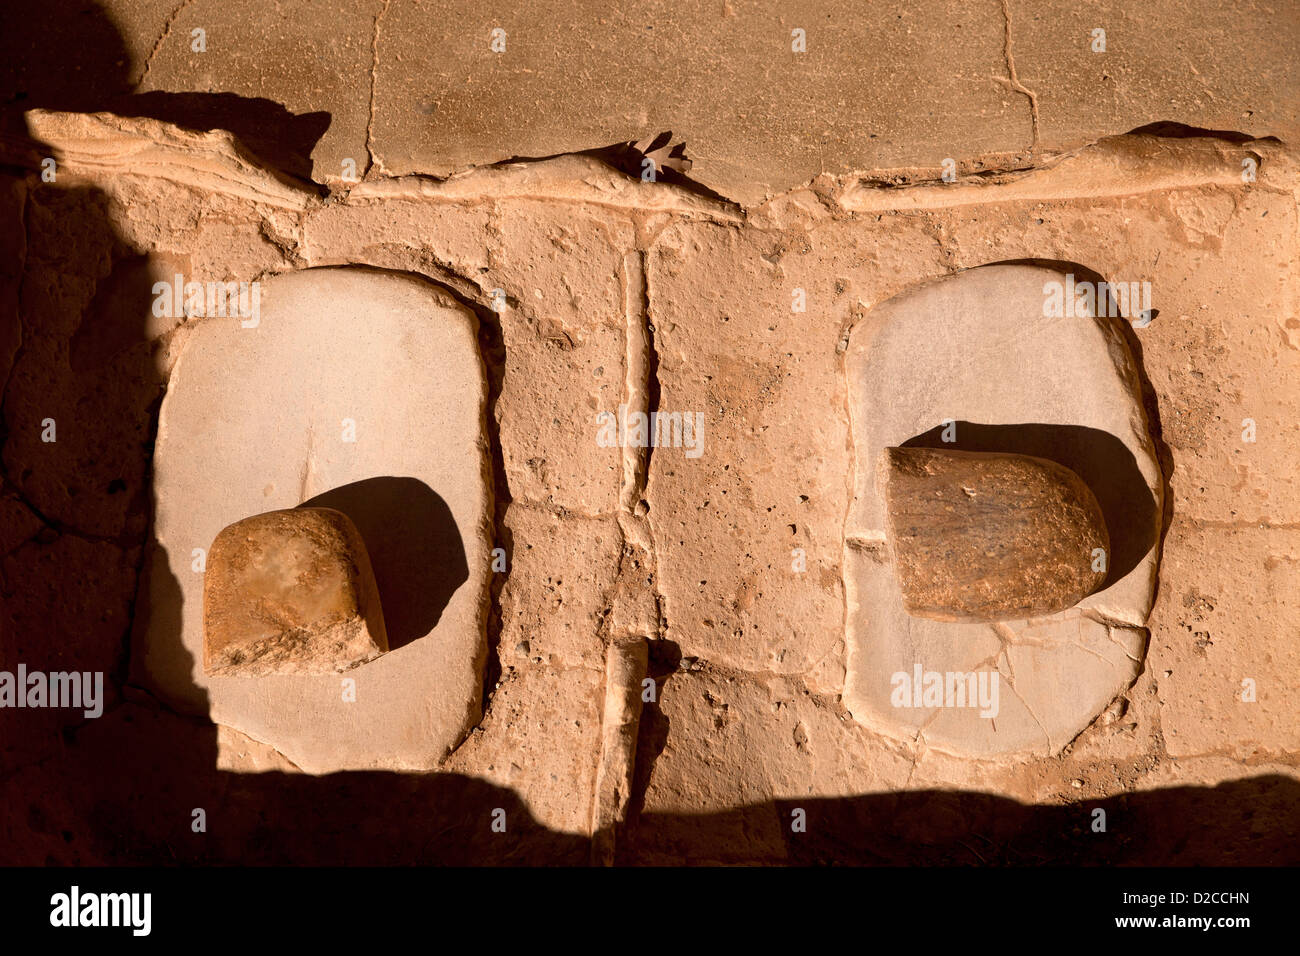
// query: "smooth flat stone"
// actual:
[[290, 592], [359, 391], [975, 357], [989, 536]]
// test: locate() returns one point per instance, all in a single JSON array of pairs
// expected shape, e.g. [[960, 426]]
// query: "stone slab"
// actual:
[[568, 79], [257, 419], [973, 357], [1163, 61]]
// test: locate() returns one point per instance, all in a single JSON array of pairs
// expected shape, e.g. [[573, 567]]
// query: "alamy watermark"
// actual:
[[655, 430], [58, 689], [1116, 300], [177, 298], [75, 908], [923, 688]]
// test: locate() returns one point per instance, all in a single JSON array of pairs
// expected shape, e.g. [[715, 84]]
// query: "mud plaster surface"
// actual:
[[685, 303]]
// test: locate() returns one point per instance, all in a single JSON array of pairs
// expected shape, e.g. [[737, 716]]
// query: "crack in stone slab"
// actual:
[[374, 79], [1111, 636], [1013, 80], [625, 668], [307, 464], [162, 37], [1030, 711]]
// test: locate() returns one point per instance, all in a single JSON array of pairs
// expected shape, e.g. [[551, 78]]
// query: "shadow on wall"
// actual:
[[1250, 822], [125, 788], [69, 55], [74, 309], [414, 546], [1104, 463]]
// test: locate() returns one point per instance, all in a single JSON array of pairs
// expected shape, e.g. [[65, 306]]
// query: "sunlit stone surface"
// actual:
[[290, 592]]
